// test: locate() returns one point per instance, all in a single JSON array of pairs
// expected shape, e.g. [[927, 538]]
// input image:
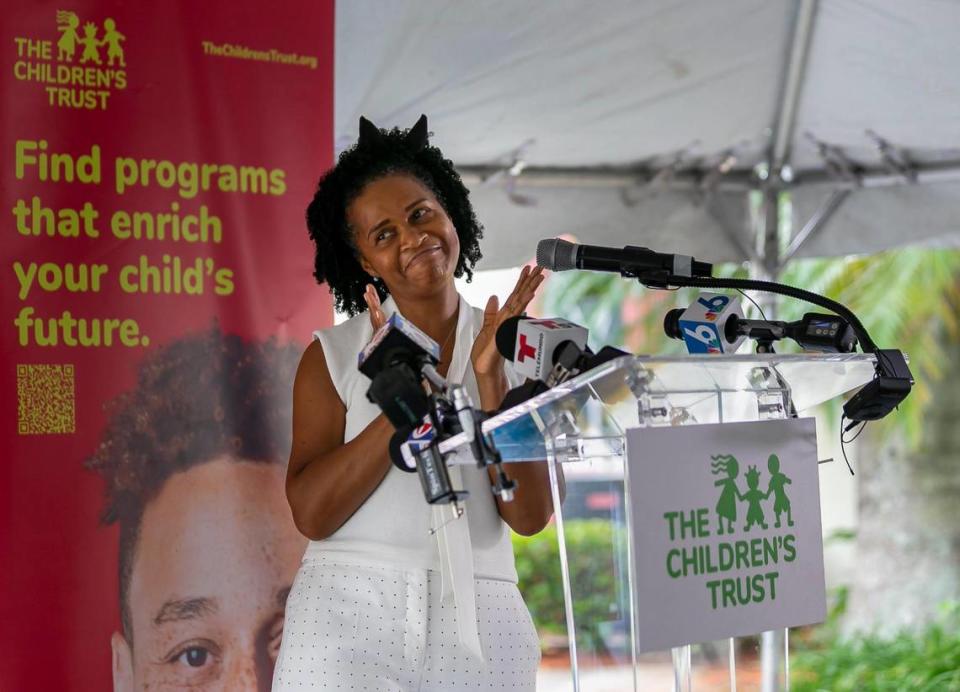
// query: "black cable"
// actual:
[[844, 441], [866, 343], [755, 303]]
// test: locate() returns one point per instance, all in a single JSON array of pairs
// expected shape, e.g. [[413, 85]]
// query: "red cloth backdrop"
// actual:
[[226, 84]]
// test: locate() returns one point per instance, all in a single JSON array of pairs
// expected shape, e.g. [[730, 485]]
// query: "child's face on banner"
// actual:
[[216, 556]]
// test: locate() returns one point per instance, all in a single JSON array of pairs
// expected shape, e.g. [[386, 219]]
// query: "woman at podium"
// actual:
[[391, 594]]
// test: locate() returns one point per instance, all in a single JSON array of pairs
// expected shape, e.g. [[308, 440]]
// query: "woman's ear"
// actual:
[[365, 266]]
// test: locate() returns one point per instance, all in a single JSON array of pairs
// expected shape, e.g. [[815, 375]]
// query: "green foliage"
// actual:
[[590, 552], [840, 536], [907, 299], [927, 661]]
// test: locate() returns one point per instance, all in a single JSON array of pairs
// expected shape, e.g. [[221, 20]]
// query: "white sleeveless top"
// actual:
[[393, 525]]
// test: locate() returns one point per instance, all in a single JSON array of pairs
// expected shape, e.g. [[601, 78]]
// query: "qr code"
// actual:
[[46, 399]]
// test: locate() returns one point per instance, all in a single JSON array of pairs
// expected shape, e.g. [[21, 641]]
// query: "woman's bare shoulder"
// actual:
[[313, 384]]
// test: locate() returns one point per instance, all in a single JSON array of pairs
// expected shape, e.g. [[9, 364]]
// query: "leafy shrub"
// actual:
[[593, 573], [927, 661]]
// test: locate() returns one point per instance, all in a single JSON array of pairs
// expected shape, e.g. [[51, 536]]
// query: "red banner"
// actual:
[[158, 293]]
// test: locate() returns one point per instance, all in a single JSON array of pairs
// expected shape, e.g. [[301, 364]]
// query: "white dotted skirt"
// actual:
[[369, 628]]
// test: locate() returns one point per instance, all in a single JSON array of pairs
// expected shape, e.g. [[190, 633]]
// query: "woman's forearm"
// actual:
[[327, 490], [532, 505]]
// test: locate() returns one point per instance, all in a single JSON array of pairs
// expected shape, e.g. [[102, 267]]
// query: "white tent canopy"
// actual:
[[649, 123]]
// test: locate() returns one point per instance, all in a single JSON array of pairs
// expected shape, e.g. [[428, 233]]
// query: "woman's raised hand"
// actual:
[[487, 361], [372, 298]]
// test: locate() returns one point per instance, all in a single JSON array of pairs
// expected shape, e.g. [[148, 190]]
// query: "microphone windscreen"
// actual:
[[556, 254], [671, 324], [506, 337]]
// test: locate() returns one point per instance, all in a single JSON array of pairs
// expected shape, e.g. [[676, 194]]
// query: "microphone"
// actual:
[[533, 345], [407, 442], [568, 358], [560, 255], [394, 360], [412, 449], [814, 332], [511, 348], [397, 341], [824, 333], [704, 326]]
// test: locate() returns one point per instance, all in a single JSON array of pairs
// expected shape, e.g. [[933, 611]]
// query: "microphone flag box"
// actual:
[[399, 339], [538, 339], [703, 323], [419, 439]]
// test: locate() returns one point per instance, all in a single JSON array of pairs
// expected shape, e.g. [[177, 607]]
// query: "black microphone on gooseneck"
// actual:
[[560, 255]]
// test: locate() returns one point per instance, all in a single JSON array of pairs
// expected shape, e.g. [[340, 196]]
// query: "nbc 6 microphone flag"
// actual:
[[704, 322]]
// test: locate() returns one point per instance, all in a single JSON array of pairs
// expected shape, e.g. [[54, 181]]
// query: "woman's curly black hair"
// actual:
[[379, 153]]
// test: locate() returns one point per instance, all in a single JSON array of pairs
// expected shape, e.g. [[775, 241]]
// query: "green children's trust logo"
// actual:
[[727, 504], [746, 568], [88, 66]]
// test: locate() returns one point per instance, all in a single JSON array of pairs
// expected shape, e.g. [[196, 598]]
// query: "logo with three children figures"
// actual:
[[84, 66], [111, 39], [731, 498]]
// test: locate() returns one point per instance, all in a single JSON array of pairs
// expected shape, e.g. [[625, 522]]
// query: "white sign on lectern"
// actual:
[[726, 530]]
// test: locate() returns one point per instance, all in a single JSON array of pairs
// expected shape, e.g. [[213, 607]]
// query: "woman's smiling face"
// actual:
[[403, 235]]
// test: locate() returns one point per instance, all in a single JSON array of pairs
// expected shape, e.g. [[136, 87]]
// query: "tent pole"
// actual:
[[767, 232], [792, 84], [771, 232], [771, 655]]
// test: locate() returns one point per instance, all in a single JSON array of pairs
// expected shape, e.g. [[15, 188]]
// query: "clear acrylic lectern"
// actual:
[[579, 429]]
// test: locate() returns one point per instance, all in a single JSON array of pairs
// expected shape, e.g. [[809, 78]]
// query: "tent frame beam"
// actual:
[[815, 223], [691, 180]]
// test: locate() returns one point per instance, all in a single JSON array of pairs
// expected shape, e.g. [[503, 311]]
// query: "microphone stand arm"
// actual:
[[485, 452]]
